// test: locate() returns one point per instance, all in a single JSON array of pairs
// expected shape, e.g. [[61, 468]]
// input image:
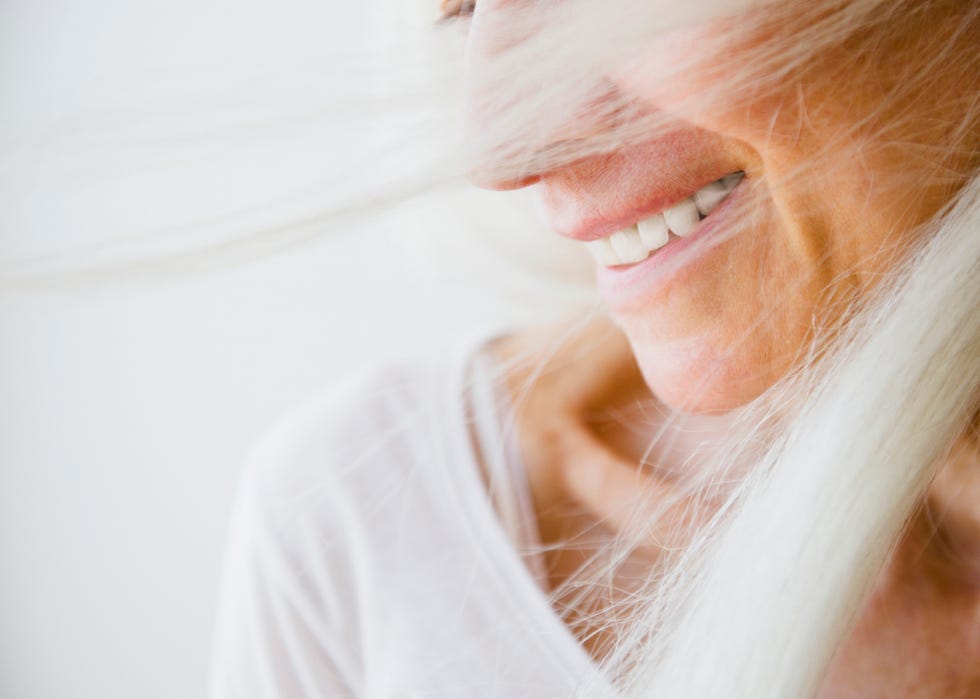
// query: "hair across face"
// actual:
[[771, 190], [787, 154]]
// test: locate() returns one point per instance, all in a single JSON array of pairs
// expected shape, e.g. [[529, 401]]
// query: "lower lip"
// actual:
[[619, 285]]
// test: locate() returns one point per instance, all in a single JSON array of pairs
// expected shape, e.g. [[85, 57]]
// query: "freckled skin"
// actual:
[[730, 328], [837, 195], [835, 160]]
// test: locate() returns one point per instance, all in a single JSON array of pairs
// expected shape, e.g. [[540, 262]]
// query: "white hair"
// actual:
[[759, 609], [767, 590]]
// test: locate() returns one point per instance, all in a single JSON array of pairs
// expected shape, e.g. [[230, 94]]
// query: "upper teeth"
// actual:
[[635, 243]]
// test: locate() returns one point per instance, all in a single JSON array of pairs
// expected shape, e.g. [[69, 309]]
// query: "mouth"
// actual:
[[638, 241]]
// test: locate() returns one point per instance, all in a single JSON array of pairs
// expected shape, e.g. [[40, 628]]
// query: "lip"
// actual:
[[619, 285], [594, 228], [602, 195]]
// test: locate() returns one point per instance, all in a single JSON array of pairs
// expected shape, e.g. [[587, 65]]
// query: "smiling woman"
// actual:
[[756, 480], [844, 158]]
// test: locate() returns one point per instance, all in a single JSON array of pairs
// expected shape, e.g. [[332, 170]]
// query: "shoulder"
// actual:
[[383, 438], [372, 416], [310, 536], [363, 524]]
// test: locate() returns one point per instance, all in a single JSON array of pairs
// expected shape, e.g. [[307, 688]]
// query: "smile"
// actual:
[[637, 242]]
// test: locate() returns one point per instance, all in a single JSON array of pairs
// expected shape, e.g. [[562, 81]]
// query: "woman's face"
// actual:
[[834, 194]]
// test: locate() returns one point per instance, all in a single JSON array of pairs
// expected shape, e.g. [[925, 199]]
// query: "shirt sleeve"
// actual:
[[285, 626]]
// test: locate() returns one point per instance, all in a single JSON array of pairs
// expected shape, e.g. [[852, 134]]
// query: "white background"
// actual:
[[126, 406]]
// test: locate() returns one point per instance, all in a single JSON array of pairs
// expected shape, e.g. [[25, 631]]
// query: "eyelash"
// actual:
[[453, 10]]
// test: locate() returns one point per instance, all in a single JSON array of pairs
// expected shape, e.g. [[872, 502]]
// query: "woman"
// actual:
[[770, 491]]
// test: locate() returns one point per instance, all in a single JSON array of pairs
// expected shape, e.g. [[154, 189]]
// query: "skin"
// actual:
[[744, 312], [725, 329], [918, 635]]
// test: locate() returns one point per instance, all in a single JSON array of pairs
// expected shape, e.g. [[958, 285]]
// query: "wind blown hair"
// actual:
[[822, 473], [825, 470], [766, 594]]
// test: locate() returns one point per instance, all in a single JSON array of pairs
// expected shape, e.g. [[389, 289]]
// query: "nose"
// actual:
[[533, 151]]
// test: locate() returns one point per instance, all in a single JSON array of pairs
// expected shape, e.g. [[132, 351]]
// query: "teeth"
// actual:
[[707, 198], [682, 218], [653, 232], [628, 246], [602, 251], [635, 243]]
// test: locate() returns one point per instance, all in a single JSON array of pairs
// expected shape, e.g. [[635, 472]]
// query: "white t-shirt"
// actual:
[[367, 559]]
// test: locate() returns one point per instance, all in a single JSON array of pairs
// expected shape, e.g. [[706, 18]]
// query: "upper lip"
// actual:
[[596, 197]]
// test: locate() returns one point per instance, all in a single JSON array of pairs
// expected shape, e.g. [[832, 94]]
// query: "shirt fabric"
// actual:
[[369, 558]]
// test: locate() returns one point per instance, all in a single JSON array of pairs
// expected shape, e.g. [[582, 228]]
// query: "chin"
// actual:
[[692, 376]]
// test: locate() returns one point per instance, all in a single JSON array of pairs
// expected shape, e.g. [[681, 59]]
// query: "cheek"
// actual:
[[665, 73], [731, 324], [690, 74], [730, 331]]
